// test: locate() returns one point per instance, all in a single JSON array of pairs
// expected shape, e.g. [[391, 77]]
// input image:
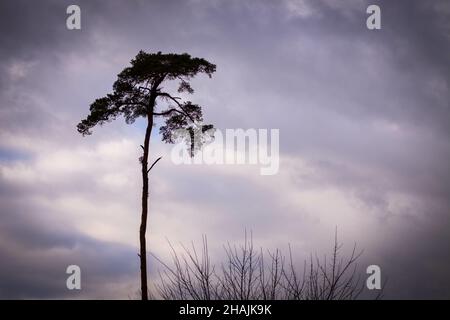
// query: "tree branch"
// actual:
[[174, 99], [144, 88], [168, 96], [165, 113], [153, 164]]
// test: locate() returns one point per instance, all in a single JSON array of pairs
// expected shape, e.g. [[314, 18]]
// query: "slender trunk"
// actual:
[[143, 228]]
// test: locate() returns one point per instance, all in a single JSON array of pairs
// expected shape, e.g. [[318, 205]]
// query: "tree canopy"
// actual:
[[137, 90]]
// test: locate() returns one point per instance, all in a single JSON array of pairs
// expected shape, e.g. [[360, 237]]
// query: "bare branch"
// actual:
[[175, 99], [153, 164], [246, 275], [167, 112]]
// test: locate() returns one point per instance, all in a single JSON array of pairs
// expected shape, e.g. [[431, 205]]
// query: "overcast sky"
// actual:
[[364, 123]]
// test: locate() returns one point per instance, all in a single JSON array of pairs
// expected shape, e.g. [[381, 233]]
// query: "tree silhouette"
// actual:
[[136, 93]]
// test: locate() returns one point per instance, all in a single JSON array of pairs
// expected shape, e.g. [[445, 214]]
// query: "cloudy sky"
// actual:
[[364, 121]]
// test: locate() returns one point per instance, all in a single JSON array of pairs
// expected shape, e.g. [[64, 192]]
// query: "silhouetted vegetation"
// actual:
[[250, 274]]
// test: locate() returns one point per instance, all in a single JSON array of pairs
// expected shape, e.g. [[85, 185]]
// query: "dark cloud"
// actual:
[[35, 257], [363, 118]]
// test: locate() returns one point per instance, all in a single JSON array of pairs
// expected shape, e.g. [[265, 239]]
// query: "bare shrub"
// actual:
[[249, 274]]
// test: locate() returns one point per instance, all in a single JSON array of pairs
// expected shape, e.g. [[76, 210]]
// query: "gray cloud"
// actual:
[[363, 118], [35, 256]]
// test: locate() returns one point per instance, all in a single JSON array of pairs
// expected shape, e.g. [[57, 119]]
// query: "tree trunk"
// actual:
[[143, 228]]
